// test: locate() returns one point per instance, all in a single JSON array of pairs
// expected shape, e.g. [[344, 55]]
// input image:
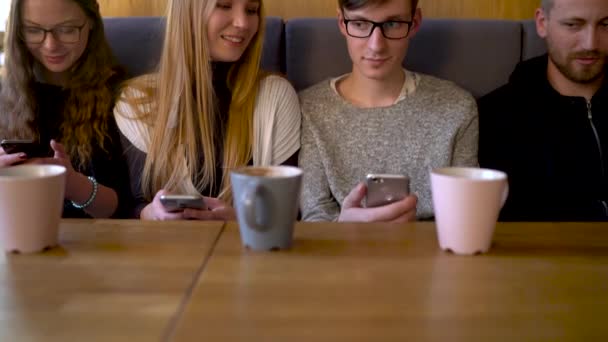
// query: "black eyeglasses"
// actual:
[[67, 34], [391, 29]]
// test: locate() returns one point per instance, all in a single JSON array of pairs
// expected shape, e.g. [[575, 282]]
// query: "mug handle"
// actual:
[[505, 195], [252, 194]]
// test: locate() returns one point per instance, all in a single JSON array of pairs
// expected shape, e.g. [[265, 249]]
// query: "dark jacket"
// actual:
[[553, 148]]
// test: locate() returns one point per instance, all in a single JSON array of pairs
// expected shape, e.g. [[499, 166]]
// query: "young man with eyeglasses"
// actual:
[[380, 118], [548, 127]]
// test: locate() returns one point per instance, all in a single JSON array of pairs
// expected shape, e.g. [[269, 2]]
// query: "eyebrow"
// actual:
[[391, 18], [70, 21]]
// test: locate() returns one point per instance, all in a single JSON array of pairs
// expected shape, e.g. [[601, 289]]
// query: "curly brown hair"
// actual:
[[90, 95]]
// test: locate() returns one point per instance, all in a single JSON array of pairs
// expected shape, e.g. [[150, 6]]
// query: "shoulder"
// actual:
[[277, 99], [134, 95], [316, 92], [273, 85], [445, 100], [319, 102], [497, 98], [448, 90], [133, 108]]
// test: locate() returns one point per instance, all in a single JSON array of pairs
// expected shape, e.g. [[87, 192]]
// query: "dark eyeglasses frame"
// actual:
[[53, 32], [381, 26]]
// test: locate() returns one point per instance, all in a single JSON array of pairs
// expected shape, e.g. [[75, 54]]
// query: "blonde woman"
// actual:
[[207, 110]]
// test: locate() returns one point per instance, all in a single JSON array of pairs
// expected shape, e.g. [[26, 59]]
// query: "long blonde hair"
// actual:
[[87, 110], [182, 116]]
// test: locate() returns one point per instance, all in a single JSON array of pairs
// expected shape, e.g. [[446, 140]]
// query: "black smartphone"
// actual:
[[31, 148], [385, 189], [175, 203]]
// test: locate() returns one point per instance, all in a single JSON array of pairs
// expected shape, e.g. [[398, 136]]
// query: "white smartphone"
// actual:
[[383, 189], [175, 203]]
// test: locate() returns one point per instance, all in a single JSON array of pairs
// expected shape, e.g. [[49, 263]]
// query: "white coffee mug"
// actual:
[[467, 202], [31, 204]]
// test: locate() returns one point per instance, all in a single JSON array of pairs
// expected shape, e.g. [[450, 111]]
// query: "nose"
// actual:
[[240, 18], [590, 38], [376, 41], [50, 42]]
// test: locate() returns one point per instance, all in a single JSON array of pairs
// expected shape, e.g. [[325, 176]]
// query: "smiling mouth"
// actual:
[[55, 59], [233, 39]]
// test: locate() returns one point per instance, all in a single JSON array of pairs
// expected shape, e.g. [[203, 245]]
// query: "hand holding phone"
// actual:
[[31, 148], [177, 203], [383, 189]]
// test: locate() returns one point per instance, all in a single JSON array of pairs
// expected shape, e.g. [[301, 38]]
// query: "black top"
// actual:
[[554, 148], [108, 168], [223, 96]]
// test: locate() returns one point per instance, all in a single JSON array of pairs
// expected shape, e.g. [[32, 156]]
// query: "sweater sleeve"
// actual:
[[467, 139], [277, 122], [317, 201]]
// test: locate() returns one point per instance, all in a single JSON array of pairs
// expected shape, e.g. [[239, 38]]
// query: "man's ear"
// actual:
[[341, 24], [541, 18], [416, 22]]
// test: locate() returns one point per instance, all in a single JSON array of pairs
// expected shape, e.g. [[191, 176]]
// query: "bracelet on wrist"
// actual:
[[91, 198]]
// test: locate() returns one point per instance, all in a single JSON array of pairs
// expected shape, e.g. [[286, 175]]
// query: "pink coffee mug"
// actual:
[[467, 202], [31, 204]]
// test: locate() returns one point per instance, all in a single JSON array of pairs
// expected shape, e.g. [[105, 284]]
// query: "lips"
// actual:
[[375, 60], [587, 60], [233, 39], [55, 59]]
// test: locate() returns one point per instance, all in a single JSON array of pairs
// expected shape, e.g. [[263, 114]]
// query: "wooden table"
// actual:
[[109, 281], [349, 282]]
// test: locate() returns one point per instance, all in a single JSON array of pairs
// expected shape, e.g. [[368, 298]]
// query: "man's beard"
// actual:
[[581, 74]]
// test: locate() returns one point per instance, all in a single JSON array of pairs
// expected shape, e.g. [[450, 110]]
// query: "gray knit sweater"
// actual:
[[436, 125]]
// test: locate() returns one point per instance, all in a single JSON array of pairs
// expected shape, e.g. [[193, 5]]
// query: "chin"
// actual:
[[377, 74], [228, 56], [57, 68]]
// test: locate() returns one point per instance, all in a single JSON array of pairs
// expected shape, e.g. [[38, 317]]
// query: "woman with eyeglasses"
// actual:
[[209, 109], [58, 92]]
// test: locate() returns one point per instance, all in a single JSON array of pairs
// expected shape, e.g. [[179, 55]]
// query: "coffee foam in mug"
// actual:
[[270, 171]]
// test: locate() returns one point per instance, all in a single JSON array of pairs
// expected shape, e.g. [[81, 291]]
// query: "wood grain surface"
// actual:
[[108, 281], [366, 282]]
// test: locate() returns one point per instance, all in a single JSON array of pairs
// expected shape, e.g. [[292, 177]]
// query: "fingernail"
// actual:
[[22, 155]]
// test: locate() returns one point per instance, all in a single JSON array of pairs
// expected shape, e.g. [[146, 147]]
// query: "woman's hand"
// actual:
[[11, 159], [217, 210], [61, 158], [157, 212]]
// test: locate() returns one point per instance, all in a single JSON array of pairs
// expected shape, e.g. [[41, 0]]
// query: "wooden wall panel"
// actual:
[[489, 9]]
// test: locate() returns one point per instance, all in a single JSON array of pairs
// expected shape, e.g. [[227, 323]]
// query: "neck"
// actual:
[[567, 87], [56, 78], [365, 92]]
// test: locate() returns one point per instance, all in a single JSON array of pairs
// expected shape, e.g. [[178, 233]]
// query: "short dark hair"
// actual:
[[357, 4], [547, 5]]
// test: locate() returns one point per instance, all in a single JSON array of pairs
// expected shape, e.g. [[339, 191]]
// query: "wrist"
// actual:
[[145, 213], [93, 194], [77, 187]]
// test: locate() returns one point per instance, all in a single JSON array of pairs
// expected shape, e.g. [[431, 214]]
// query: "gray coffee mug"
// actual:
[[266, 201]]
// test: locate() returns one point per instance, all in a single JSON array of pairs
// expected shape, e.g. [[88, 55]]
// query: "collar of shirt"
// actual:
[[410, 84]]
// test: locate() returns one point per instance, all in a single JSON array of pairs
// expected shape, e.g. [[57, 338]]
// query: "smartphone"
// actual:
[[175, 203], [383, 189], [29, 147]]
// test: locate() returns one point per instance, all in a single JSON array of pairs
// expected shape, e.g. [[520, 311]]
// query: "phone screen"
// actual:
[[174, 203]]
